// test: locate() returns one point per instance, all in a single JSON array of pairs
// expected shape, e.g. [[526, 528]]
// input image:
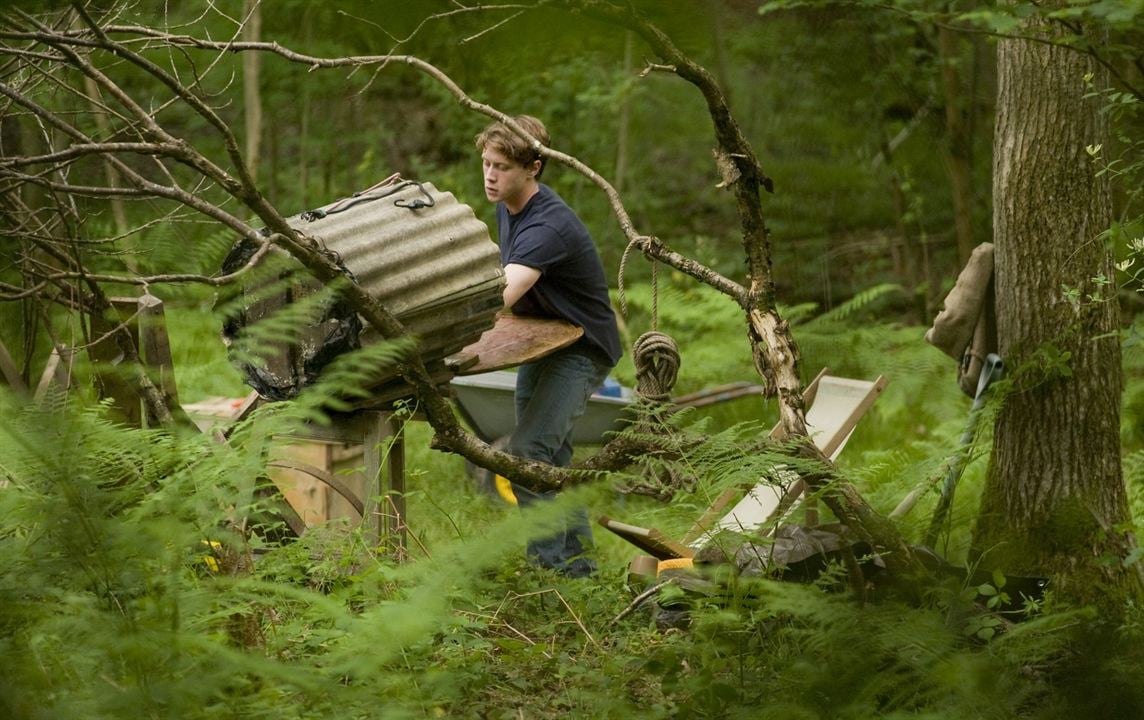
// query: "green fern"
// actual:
[[860, 302]]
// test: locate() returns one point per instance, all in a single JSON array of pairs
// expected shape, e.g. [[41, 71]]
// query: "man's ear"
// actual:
[[535, 168]]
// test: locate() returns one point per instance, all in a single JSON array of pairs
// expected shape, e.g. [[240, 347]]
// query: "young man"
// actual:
[[553, 270]]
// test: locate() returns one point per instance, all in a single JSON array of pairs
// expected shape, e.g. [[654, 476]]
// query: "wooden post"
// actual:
[[396, 526], [384, 453], [382, 506], [155, 350], [107, 361]]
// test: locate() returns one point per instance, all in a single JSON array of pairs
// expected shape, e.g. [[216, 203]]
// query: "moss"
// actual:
[[1070, 525]]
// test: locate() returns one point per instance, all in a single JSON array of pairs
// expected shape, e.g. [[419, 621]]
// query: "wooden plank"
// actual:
[[517, 339], [51, 367], [711, 516], [291, 461], [10, 371], [716, 395], [156, 346], [57, 372], [651, 540], [461, 361]]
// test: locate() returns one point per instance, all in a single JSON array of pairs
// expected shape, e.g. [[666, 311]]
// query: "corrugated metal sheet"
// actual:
[[421, 253], [411, 259]]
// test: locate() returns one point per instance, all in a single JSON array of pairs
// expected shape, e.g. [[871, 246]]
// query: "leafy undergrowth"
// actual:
[[129, 590], [144, 575]]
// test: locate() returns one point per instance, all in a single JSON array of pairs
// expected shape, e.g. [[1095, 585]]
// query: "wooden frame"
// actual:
[[835, 406]]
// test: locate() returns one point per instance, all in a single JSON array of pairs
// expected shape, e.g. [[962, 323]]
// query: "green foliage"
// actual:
[[112, 607], [140, 574]]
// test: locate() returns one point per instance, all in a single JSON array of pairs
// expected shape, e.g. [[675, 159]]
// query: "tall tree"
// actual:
[[1054, 500], [958, 127], [251, 92]]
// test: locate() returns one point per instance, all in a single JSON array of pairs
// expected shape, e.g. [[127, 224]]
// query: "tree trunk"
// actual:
[[624, 122], [910, 248], [251, 93], [1054, 498], [719, 46], [960, 142], [118, 213]]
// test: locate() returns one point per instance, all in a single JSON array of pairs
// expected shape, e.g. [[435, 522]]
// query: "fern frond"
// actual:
[[859, 302]]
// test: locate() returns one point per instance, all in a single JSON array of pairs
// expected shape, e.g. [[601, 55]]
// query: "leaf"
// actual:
[[999, 22], [776, 5], [998, 579], [858, 302]]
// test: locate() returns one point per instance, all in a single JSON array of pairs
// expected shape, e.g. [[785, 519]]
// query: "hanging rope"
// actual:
[[655, 354], [654, 283], [624, 269], [655, 296], [656, 357]]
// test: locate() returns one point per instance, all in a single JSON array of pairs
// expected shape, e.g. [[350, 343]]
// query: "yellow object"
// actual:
[[504, 489], [214, 547], [674, 564]]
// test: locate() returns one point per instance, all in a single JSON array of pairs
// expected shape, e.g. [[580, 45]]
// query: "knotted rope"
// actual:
[[656, 357]]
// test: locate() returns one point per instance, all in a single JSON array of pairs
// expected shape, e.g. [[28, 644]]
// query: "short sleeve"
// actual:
[[538, 246]]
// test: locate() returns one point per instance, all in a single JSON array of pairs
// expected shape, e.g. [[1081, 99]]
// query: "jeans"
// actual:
[[551, 394]]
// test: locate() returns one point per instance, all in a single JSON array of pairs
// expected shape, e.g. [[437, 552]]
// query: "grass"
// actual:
[[325, 626]]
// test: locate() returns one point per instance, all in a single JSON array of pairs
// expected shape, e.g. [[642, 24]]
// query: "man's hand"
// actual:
[[520, 278]]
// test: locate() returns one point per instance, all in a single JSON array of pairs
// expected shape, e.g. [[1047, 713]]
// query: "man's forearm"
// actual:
[[519, 279]]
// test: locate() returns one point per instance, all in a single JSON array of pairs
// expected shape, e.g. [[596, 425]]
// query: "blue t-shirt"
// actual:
[[547, 236]]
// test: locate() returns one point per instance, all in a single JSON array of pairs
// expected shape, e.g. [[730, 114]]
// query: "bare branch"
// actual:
[[658, 250], [491, 28], [87, 149], [656, 67]]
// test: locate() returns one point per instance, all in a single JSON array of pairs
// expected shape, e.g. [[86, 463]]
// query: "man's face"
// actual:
[[506, 181]]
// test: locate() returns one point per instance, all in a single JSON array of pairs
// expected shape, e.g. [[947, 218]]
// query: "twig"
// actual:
[[491, 28], [577, 619], [656, 67], [501, 622], [640, 599]]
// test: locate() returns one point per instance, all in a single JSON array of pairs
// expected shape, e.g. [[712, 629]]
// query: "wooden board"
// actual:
[[650, 540], [515, 339]]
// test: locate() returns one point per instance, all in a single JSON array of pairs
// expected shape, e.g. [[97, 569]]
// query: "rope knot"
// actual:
[[656, 358]]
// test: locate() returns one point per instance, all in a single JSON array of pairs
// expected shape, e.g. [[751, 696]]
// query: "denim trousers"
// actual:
[[551, 393]]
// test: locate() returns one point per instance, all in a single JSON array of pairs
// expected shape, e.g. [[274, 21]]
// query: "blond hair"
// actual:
[[503, 139]]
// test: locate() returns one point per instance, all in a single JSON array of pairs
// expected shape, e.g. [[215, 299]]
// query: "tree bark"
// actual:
[[1054, 499], [958, 153], [118, 213], [624, 121], [251, 93]]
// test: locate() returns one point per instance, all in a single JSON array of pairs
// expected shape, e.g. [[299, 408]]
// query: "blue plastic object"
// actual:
[[610, 388]]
